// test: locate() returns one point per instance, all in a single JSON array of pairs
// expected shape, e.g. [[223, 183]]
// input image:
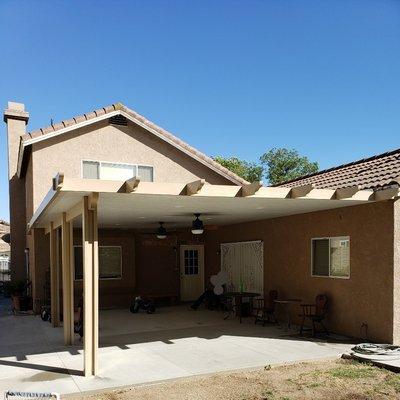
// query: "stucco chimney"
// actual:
[[16, 119]]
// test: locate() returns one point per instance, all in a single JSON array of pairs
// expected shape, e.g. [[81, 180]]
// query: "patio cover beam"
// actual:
[[130, 185], [346, 192], [301, 191], [194, 187], [251, 188], [386, 194]]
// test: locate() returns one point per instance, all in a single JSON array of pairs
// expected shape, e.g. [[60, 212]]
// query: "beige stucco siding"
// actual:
[[367, 297], [125, 144], [396, 271]]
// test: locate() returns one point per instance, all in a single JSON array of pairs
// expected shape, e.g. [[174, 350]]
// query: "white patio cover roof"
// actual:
[[135, 204]]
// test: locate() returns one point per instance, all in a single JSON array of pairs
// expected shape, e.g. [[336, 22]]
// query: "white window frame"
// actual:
[[118, 163], [329, 270], [101, 279]]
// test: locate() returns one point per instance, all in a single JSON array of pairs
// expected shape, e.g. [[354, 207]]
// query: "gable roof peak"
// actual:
[[115, 109]]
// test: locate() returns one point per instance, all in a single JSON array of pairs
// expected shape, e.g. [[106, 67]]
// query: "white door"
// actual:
[[192, 271], [244, 264]]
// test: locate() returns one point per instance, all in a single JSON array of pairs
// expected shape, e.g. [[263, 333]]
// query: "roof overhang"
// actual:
[[135, 204], [201, 158]]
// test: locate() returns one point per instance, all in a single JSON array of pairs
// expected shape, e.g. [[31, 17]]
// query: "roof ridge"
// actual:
[[362, 160]]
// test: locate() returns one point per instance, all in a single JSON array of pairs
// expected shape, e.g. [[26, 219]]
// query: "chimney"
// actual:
[[16, 119]]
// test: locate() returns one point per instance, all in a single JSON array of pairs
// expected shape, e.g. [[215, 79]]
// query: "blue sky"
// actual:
[[232, 78]]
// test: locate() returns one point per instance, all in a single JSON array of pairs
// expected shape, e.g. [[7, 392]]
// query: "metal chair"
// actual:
[[316, 313], [264, 309]]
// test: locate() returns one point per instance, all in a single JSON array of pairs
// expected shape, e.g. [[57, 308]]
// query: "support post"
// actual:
[[90, 284], [54, 278], [68, 288]]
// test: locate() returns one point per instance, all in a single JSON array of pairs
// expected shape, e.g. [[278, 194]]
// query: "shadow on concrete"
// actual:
[[166, 326]]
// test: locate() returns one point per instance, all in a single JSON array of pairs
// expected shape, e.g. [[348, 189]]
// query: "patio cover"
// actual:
[[136, 204]]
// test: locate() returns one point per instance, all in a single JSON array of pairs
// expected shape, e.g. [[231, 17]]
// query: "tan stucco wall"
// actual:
[[149, 268], [16, 128], [103, 142], [396, 270], [366, 297]]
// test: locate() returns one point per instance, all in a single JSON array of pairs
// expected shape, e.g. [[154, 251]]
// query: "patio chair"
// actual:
[[316, 313], [264, 309]]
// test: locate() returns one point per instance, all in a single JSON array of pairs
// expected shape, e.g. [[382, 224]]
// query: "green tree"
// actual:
[[281, 164], [251, 172]]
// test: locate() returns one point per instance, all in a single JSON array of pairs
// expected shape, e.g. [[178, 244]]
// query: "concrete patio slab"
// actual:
[[141, 348]]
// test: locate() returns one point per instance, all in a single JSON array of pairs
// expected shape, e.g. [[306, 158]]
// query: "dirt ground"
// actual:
[[335, 379]]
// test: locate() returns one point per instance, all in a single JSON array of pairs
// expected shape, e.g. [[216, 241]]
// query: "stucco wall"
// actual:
[[113, 292], [103, 142], [149, 266], [366, 297], [396, 270]]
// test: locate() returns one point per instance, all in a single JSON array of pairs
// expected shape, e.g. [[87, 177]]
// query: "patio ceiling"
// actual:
[[134, 204]]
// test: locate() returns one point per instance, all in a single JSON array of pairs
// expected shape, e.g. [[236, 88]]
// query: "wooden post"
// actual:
[[90, 284], [68, 295], [54, 279]]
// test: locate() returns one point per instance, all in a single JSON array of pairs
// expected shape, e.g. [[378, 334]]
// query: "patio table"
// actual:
[[238, 301], [287, 303]]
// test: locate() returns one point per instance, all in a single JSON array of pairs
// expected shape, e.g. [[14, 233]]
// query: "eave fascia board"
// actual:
[[48, 199]]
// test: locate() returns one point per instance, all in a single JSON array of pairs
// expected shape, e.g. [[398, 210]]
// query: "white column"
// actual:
[[54, 279], [90, 284], [67, 284]]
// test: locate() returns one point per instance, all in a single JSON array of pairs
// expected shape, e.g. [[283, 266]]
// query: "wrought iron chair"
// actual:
[[264, 309], [316, 313], [227, 303]]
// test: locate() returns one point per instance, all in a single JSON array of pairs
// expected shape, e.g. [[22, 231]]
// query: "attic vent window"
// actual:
[[118, 120]]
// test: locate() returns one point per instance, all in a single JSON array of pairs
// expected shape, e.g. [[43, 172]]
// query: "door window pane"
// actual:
[[90, 170], [145, 173], [191, 260]]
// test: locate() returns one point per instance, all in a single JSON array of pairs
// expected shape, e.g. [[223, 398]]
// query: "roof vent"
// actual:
[[118, 120]]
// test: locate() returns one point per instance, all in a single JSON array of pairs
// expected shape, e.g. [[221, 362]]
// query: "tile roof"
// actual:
[[163, 133], [369, 173]]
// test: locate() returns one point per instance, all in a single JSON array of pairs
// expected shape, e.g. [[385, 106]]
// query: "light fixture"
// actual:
[[197, 225], [161, 231]]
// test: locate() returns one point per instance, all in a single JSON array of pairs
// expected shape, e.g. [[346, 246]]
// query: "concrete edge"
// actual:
[[183, 378]]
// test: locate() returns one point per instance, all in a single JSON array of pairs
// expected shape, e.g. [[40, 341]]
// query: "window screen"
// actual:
[[110, 262], [340, 257], [145, 173], [331, 257], [90, 170]]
